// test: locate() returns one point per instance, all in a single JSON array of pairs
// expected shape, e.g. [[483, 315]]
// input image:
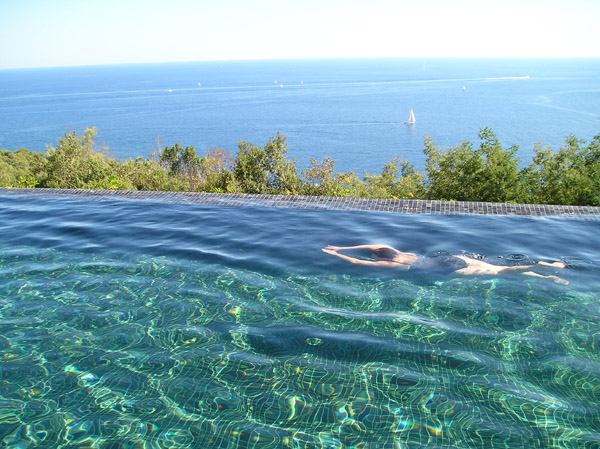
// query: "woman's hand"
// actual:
[[330, 249]]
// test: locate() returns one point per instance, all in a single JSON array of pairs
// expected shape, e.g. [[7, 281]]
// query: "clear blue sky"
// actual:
[[38, 33]]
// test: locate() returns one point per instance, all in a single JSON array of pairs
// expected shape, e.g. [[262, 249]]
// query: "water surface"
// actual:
[[145, 324]]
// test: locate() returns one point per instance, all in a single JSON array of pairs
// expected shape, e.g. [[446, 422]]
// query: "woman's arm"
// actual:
[[380, 263], [369, 247]]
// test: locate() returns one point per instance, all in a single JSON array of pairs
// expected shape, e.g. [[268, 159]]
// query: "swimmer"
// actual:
[[386, 256]]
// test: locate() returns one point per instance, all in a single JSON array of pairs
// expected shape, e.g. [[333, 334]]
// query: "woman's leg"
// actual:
[[479, 268], [553, 278], [552, 264]]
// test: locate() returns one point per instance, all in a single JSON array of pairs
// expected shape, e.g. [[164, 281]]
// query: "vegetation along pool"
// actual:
[[147, 324]]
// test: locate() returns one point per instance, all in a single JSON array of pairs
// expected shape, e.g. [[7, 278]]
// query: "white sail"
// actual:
[[411, 118]]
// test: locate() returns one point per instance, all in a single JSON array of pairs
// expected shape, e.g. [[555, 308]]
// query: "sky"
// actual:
[[44, 33]]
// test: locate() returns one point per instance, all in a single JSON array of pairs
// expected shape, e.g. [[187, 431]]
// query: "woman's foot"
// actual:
[[552, 264], [556, 279]]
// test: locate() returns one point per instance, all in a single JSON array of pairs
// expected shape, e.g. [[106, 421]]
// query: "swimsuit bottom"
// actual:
[[438, 264]]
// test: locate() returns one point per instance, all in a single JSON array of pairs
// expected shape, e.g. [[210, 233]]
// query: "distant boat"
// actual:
[[411, 118], [464, 87]]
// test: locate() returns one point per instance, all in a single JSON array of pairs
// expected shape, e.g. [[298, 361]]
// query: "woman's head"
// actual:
[[385, 253]]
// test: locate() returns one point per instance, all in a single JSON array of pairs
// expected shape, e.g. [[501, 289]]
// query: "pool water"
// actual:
[[141, 324]]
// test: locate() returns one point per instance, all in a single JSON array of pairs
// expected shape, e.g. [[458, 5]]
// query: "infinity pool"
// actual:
[[143, 324]]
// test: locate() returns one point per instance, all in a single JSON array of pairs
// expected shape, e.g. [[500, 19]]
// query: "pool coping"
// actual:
[[407, 206]]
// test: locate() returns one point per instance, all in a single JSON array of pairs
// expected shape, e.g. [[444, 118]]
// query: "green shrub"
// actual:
[[569, 176], [462, 173], [217, 177], [487, 173], [389, 185], [148, 175], [22, 168], [265, 170], [75, 164], [320, 179]]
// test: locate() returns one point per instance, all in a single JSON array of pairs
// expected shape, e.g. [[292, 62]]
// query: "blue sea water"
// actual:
[[349, 110], [143, 324]]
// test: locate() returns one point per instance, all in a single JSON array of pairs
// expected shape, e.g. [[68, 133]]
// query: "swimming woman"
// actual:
[[386, 256]]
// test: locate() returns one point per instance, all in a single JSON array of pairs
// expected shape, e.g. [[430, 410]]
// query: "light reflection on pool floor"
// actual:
[[159, 352]]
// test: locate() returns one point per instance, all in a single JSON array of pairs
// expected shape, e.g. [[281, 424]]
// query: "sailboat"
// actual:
[[411, 118]]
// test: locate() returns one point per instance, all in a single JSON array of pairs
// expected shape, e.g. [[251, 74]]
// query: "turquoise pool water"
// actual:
[[140, 324]]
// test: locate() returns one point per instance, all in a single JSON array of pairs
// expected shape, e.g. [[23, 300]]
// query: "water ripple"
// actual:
[[191, 348]]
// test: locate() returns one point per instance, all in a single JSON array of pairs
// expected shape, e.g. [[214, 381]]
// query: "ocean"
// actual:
[[349, 110]]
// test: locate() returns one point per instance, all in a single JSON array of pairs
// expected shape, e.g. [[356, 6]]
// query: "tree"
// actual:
[[183, 163], [452, 174], [320, 179], [389, 185], [250, 169], [22, 168], [265, 170], [217, 164], [74, 163], [461, 173], [569, 176], [149, 175], [499, 178]]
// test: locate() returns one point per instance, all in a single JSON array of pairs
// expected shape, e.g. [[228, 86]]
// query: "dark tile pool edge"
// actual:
[[322, 202]]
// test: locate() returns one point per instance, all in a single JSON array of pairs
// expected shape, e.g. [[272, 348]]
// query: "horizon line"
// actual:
[[319, 58]]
